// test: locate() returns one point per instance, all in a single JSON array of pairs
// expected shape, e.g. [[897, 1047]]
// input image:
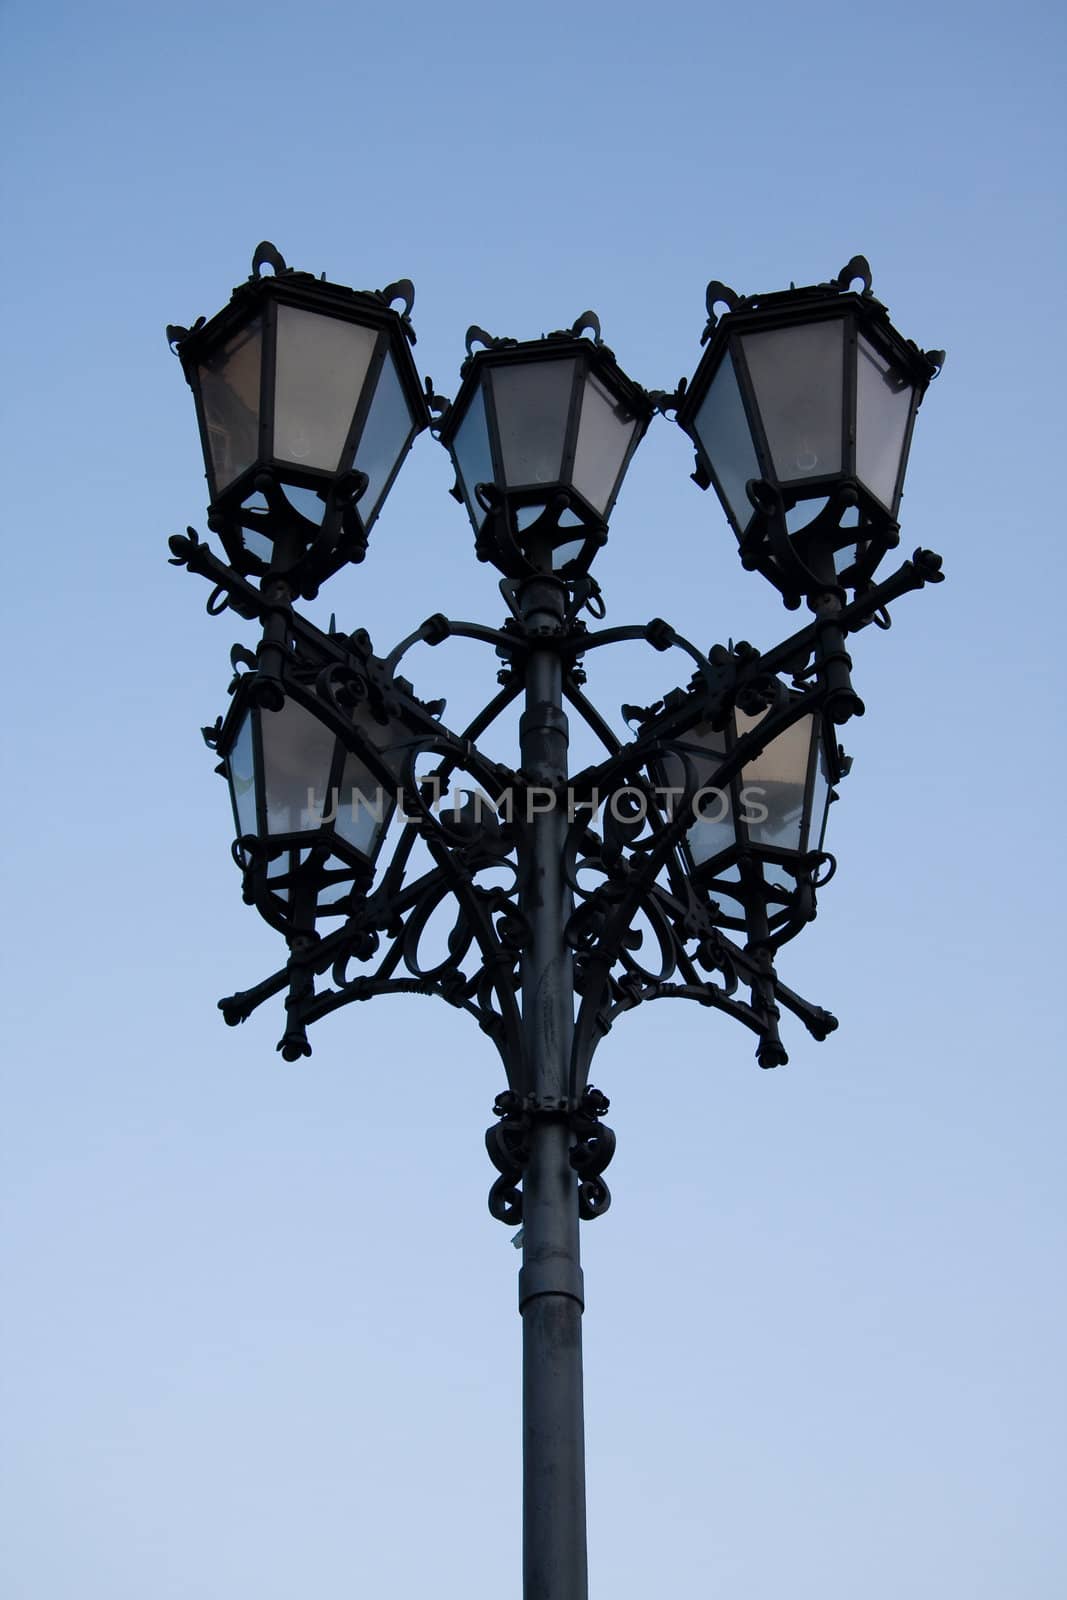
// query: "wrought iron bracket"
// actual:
[[508, 1143]]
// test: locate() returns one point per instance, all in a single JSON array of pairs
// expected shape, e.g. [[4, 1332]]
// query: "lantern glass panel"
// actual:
[[386, 435], [883, 406], [298, 754], [229, 396], [774, 785], [242, 775], [363, 805], [364, 802], [533, 402], [320, 367], [713, 831], [723, 430], [820, 801], [798, 375], [474, 460], [605, 432]]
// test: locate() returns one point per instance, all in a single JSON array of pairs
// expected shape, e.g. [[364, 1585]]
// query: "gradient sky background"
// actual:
[[260, 1335]]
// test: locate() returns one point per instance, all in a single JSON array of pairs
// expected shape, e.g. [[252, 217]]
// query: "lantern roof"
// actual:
[[303, 288], [807, 303]]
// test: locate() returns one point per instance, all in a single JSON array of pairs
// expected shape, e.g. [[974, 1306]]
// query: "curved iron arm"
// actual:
[[436, 629]]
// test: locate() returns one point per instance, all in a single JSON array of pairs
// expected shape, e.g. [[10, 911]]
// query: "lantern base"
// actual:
[[525, 537], [276, 538], [292, 886], [826, 554]]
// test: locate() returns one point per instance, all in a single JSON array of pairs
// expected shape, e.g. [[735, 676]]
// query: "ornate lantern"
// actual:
[[311, 803], [541, 435], [756, 836], [308, 400], [801, 411]]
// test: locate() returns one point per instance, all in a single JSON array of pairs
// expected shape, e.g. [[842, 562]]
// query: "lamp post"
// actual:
[[707, 826]]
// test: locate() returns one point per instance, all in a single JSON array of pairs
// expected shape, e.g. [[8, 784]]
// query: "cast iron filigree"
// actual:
[[641, 926]]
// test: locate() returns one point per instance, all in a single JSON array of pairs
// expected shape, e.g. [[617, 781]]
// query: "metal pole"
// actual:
[[550, 1280]]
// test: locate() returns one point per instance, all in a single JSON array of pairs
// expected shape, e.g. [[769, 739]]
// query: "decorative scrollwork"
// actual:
[[857, 267], [718, 294], [437, 405], [268, 255], [176, 334], [445, 911], [508, 1143], [488, 341], [588, 322], [404, 291], [591, 1153]]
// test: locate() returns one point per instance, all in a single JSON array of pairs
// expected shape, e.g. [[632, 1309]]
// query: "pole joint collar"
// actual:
[[556, 1276]]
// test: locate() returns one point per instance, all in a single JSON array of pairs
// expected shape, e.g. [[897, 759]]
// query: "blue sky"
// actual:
[[260, 1333]]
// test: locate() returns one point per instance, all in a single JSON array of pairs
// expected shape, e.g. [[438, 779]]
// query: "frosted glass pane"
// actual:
[[229, 395], [714, 831], [297, 753], [798, 375], [773, 786], [605, 430], [386, 435], [723, 430], [364, 803], [364, 806], [532, 407], [474, 462], [820, 801], [243, 780], [883, 405], [711, 804], [320, 367]]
